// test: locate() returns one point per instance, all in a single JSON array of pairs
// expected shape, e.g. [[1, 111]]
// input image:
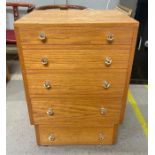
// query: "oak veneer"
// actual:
[[76, 82], [75, 59], [76, 35], [76, 67], [85, 109], [75, 135], [75, 17]]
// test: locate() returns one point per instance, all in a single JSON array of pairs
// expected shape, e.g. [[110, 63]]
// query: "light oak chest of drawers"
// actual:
[[76, 67]]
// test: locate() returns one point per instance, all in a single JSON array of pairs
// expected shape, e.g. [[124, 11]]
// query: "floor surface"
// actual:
[[21, 136]]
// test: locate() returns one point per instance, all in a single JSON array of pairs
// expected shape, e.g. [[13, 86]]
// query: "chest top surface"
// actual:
[[56, 17]]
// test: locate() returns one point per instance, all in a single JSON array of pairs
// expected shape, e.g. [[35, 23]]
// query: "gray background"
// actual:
[[94, 4]]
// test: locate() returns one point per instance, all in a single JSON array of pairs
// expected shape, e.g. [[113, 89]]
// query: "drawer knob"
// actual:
[[103, 111], [50, 112], [108, 61], [51, 137], [110, 37], [47, 85], [101, 136], [42, 36], [44, 61], [106, 84]]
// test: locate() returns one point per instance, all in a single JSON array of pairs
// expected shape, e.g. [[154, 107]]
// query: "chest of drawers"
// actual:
[[76, 68]]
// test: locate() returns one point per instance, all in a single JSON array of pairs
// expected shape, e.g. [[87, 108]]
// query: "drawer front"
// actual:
[[75, 111], [83, 35], [49, 135], [75, 59], [109, 83]]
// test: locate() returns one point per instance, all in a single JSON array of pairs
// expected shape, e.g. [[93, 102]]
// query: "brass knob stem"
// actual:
[[44, 61], [108, 61], [106, 84], [110, 37], [47, 85]]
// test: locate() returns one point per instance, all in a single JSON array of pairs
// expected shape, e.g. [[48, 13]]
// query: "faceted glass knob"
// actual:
[[47, 85], [106, 84], [50, 112], [103, 111], [110, 37], [44, 61], [108, 61], [101, 136], [51, 137], [42, 36]]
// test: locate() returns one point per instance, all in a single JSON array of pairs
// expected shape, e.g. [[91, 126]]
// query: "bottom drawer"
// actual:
[[48, 135]]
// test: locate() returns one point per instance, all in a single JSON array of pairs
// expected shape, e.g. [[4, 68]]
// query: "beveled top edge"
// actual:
[[76, 17]]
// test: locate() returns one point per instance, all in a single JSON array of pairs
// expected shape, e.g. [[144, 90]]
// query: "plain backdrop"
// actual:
[[94, 4]]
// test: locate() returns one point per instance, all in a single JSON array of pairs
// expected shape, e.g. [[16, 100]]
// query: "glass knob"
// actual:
[[106, 84], [101, 136], [47, 85], [50, 112], [51, 137], [44, 61], [42, 36], [110, 37], [108, 61], [103, 111]]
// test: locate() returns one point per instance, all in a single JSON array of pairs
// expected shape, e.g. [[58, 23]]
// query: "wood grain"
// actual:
[[21, 59], [75, 59], [75, 35], [77, 111], [75, 135], [74, 82], [75, 17]]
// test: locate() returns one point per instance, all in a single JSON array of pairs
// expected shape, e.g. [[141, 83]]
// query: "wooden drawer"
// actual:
[[84, 35], [75, 59], [49, 135], [72, 83], [76, 111]]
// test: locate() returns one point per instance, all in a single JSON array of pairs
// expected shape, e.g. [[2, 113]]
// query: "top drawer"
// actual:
[[84, 35]]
